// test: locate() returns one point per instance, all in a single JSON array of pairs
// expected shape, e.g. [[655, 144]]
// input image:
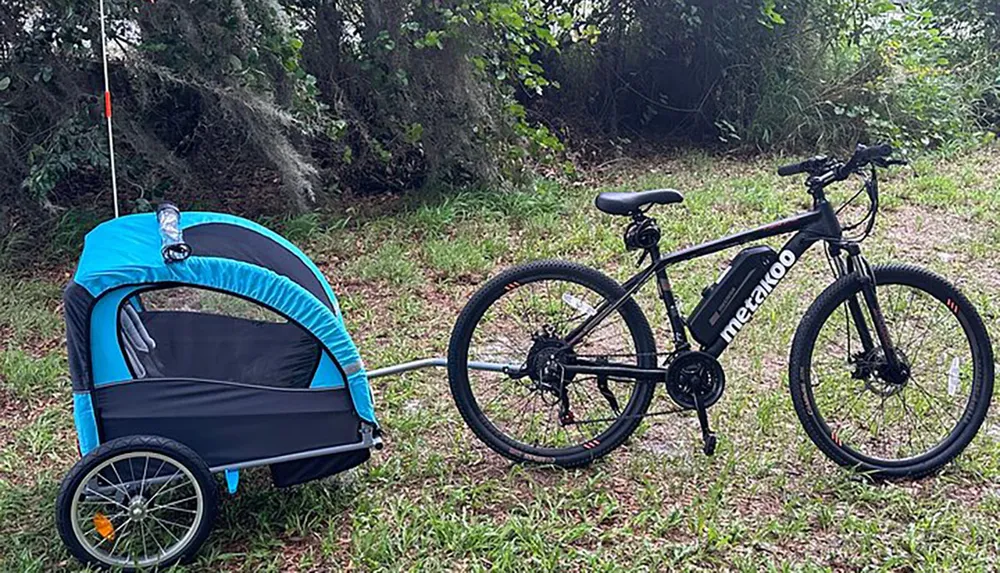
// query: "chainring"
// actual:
[[695, 373]]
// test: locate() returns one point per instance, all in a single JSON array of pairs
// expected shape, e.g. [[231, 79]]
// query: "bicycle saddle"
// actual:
[[628, 203]]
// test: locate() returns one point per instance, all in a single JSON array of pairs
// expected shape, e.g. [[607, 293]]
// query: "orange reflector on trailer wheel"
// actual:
[[104, 526]]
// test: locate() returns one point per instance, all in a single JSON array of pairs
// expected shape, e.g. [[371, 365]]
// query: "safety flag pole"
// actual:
[[107, 108]]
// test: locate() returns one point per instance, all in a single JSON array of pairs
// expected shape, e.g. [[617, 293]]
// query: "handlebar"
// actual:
[[863, 156], [808, 166], [831, 170]]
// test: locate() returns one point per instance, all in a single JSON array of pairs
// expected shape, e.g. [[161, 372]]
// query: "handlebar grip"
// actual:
[[792, 169], [811, 166], [172, 245]]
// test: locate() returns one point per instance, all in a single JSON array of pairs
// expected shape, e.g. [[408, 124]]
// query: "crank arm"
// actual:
[[707, 435]]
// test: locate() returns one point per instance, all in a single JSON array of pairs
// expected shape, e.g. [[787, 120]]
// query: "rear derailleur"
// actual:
[[545, 369]]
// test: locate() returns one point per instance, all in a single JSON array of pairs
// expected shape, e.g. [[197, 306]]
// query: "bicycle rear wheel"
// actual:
[[859, 417], [520, 317]]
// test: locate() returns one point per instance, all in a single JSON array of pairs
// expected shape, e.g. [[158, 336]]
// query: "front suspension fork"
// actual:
[[856, 263]]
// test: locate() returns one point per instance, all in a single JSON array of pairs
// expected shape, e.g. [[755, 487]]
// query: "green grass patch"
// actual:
[[27, 377], [465, 254], [27, 310], [391, 263]]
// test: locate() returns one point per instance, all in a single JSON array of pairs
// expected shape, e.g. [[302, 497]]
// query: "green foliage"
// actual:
[[66, 238], [924, 96], [391, 263], [268, 107], [26, 376], [27, 314], [788, 73], [300, 228], [313, 97], [462, 255], [73, 147]]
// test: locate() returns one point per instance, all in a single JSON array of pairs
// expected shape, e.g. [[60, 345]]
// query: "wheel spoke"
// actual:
[[121, 482], [142, 484], [511, 326], [179, 509], [116, 487], [119, 535], [165, 528], [156, 541], [176, 502], [104, 497], [889, 425], [169, 522], [142, 535], [163, 487], [136, 541]]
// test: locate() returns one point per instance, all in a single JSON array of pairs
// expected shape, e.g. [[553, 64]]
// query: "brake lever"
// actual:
[[886, 163]]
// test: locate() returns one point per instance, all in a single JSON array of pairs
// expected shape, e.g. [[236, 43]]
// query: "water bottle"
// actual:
[[173, 248]]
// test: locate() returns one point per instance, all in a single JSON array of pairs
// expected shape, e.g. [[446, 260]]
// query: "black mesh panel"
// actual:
[[217, 347], [77, 304], [241, 244]]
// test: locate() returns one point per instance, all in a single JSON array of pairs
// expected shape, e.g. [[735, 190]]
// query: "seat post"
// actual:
[[669, 302]]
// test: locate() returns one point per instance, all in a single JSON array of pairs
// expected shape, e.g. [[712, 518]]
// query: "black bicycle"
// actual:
[[891, 368]]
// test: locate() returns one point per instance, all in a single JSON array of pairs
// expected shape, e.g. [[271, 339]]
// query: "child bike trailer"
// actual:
[[198, 344]]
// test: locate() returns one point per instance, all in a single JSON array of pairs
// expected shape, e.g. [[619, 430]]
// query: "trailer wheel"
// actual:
[[137, 503]]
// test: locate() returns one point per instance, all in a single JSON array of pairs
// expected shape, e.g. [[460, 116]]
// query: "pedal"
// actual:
[[710, 443], [707, 435], [566, 418]]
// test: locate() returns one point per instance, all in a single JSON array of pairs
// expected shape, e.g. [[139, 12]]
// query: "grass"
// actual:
[[436, 500]]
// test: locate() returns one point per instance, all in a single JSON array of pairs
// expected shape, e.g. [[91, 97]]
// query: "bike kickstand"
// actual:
[[707, 435]]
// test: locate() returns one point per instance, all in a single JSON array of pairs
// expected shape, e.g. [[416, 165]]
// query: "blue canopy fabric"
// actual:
[[125, 252]]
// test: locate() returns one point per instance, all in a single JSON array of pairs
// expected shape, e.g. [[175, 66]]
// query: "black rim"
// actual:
[[525, 411], [881, 423]]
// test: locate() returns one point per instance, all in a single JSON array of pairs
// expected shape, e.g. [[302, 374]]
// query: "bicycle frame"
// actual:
[[819, 224]]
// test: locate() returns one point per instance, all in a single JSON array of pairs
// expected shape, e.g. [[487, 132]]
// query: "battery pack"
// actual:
[[721, 300]]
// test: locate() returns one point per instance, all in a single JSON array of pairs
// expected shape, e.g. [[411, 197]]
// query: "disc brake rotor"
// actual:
[[871, 368]]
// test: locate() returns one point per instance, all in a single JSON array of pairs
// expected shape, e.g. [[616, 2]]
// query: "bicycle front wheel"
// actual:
[[863, 419], [533, 412]]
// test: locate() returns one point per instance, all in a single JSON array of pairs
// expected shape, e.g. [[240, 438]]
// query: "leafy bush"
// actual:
[[269, 107], [307, 96], [788, 73]]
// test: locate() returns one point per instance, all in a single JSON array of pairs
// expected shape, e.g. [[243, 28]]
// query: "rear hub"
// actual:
[[138, 509], [545, 364], [545, 361]]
